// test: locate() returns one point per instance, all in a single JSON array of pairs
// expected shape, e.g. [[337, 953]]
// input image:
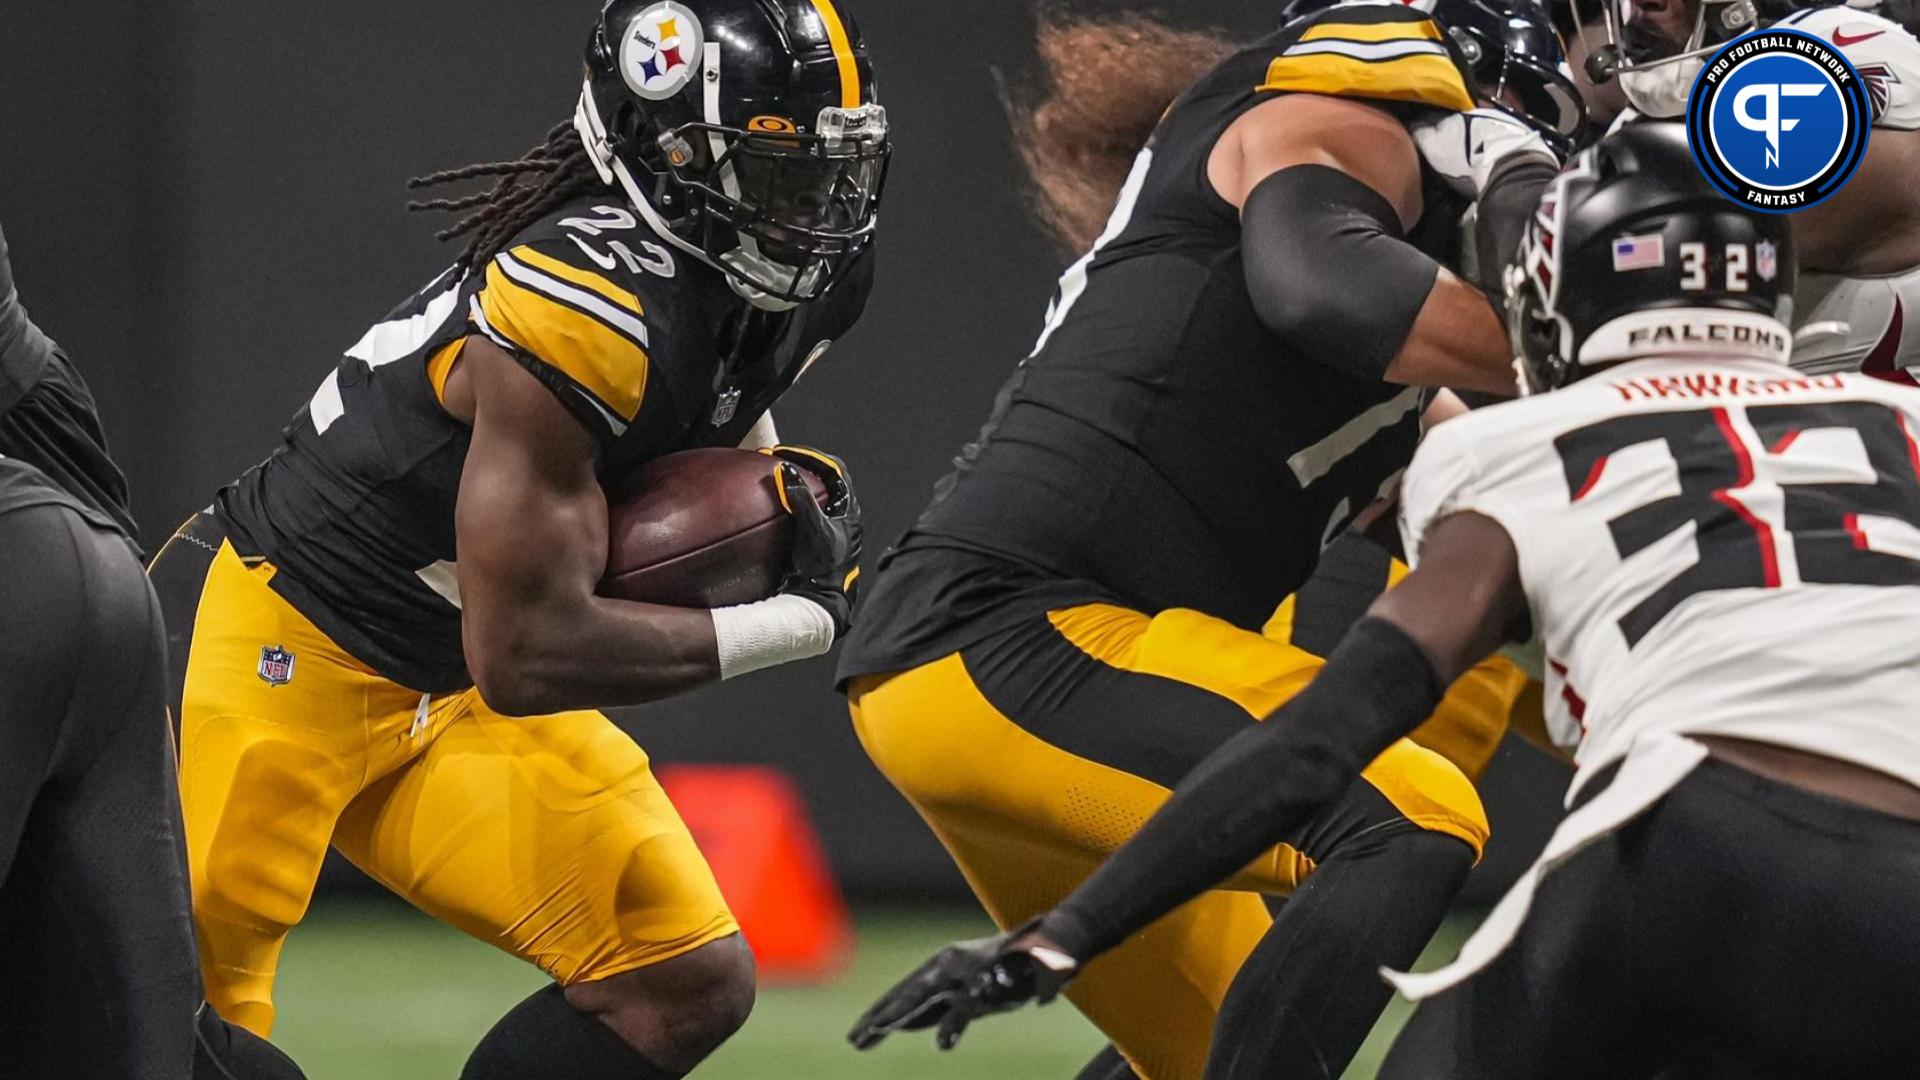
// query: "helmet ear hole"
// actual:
[[1736, 18], [1468, 45]]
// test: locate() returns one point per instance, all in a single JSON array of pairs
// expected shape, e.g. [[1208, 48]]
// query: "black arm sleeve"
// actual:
[[1512, 195], [1329, 269], [1257, 789]]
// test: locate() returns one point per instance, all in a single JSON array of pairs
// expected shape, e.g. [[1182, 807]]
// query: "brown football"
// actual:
[[700, 528]]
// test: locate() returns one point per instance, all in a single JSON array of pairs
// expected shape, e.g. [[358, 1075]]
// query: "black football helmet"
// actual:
[[746, 132], [1634, 254], [1509, 50]]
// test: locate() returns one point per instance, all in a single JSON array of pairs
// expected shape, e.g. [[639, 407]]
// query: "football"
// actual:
[[700, 528]]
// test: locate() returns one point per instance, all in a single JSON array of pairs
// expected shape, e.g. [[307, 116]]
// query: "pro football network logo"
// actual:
[[1778, 120], [661, 50], [276, 665]]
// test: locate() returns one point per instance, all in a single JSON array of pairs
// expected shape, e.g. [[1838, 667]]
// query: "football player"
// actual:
[[1860, 249], [93, 878], [92, 875], [1225, 381], [387, 633], [1723, 558]]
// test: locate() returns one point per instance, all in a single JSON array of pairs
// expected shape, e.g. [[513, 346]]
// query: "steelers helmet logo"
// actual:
[[1778, 120], [661, 51]]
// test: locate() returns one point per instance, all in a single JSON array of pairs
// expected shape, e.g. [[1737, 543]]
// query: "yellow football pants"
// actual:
[[1479, 706], [546, 836], [1034, 756]]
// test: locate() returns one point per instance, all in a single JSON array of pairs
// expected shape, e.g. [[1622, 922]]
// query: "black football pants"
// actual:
[[100, 978], [1740, 930]]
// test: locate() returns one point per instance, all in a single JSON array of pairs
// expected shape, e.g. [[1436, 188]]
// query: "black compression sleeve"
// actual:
[[1329, 269], [1258, 788], [1512, 195]]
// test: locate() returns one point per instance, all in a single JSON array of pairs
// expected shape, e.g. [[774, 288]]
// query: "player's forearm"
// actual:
[[1456, 342], [1256, 790], [597, 653]]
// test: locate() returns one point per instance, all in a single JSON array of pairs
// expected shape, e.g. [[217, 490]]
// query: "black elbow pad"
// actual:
[[1329, 269]]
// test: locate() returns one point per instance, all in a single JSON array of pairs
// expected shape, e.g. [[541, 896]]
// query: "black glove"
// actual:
[[965, 981], [825, 566]]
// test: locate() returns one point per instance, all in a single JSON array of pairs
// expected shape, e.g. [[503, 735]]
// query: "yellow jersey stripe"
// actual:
[[1425, 79], [1387, 31], [440, 368], [842, 53], [601, 360], [590, 303], [588, 280]]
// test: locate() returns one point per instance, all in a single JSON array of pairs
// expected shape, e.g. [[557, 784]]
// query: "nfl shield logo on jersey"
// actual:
[[276, 665], [725, 406], [1766, 261]]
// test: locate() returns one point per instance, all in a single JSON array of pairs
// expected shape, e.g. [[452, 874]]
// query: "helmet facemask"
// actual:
[[1656, 72], [798, 205]]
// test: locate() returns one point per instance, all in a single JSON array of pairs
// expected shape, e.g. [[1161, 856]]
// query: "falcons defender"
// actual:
[[1723, 558], [1857, 305]]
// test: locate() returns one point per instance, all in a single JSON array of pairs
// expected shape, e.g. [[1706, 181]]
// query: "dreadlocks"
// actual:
[[529, 187], [1076, 133]]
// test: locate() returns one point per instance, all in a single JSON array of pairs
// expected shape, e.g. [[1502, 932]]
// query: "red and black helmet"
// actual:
[[1633, 253], [747, 132]]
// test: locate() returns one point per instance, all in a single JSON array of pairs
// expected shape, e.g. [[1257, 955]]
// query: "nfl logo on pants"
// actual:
[[276, 665]]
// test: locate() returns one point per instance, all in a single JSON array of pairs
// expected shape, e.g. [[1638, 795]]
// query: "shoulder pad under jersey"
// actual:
[[1380, 51], [1882, 51], [566, 296]]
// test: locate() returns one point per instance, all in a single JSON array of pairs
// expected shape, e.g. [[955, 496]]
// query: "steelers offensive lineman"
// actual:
[[1723, 558], [386, 634], [1223, 384]]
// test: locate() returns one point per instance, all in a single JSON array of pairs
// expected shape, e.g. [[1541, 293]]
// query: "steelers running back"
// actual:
[[386, 634]]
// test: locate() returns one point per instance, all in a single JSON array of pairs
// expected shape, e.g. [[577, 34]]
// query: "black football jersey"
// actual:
[[47, 414], [1161, 447], [650, 349]]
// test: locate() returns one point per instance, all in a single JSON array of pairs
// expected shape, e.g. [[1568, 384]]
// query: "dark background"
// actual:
[[206, 204]]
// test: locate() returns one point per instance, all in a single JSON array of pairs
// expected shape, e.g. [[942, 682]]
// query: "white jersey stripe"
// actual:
[[326, 406], [624, 321], [1074, 281], [1317, 460], [443, 577], [401, 338], [1367, 50]]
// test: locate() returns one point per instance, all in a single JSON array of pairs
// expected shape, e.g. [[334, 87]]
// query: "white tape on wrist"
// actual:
[[778, 630]]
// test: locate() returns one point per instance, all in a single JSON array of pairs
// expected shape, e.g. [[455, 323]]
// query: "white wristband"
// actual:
[[777, 630]]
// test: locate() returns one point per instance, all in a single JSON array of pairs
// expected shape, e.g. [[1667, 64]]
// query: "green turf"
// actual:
[[377, 992]]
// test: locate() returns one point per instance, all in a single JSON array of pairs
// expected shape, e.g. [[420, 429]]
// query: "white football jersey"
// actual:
[[1864, 323], [1881, 315], [1721, 547]]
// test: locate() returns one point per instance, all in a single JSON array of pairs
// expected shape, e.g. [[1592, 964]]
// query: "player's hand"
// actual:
[[1467, 148], [825, 566], [965, 981]]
